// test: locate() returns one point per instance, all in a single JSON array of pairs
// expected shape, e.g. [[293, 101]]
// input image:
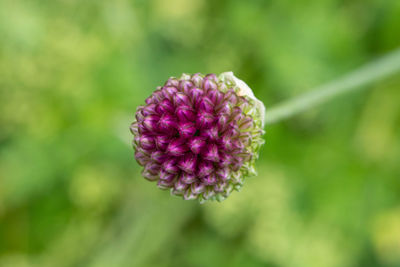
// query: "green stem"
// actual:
[[376, 70]]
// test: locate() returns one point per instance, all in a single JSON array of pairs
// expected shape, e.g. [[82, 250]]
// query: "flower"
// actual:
[[199, 136]]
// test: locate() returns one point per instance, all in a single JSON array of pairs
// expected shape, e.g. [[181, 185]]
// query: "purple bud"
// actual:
[[141, 157], [139, 115], [211, 153], [197, 188], [188, 178], [189, 195], [209, 84], [134, 128], [177, 147], [151, 177], [205, 168], [205, 105], [169, 92], [188, 164], [211, 76], [185, 86], [162, 142], [165, 106], [210, 179], [237, 163], [164, 184], [211, 134], [166, 176], [174, 82], [232, 130], [149, 110], [223, 174], [215, 96], [196, 94], [224, 108], [196, 144], [170, 166], [204, 120], [185, 113], [180, 186], [187, 129], [237, 114], [150, 122], [181, 99], [167, 123], [147, 142], [226, 143], [222, 122], [153, 168], [231, 97], [197, 79], [158, 156], [225, 160]]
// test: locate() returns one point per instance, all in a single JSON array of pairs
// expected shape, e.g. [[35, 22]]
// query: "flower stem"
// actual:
[[376, 70]]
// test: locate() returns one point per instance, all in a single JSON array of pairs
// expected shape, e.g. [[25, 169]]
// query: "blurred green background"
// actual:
[[73, 72]]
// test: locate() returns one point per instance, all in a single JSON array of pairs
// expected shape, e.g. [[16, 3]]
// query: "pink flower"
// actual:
[[196, 133]]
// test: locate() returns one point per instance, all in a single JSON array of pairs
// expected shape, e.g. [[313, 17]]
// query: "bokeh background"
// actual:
[[73, 72]]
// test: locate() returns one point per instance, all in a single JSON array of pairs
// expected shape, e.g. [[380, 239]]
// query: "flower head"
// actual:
[[199, 136]]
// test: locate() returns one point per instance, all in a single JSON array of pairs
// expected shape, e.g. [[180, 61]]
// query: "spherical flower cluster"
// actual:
[[199, 136]]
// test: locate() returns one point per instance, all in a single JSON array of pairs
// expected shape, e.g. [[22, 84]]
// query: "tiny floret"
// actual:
[[199, 135]]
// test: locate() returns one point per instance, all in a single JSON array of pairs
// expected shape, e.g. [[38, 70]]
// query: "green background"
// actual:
[[73, 72]]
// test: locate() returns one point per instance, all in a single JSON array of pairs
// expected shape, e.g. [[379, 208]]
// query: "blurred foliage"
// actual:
[[72, 74]]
